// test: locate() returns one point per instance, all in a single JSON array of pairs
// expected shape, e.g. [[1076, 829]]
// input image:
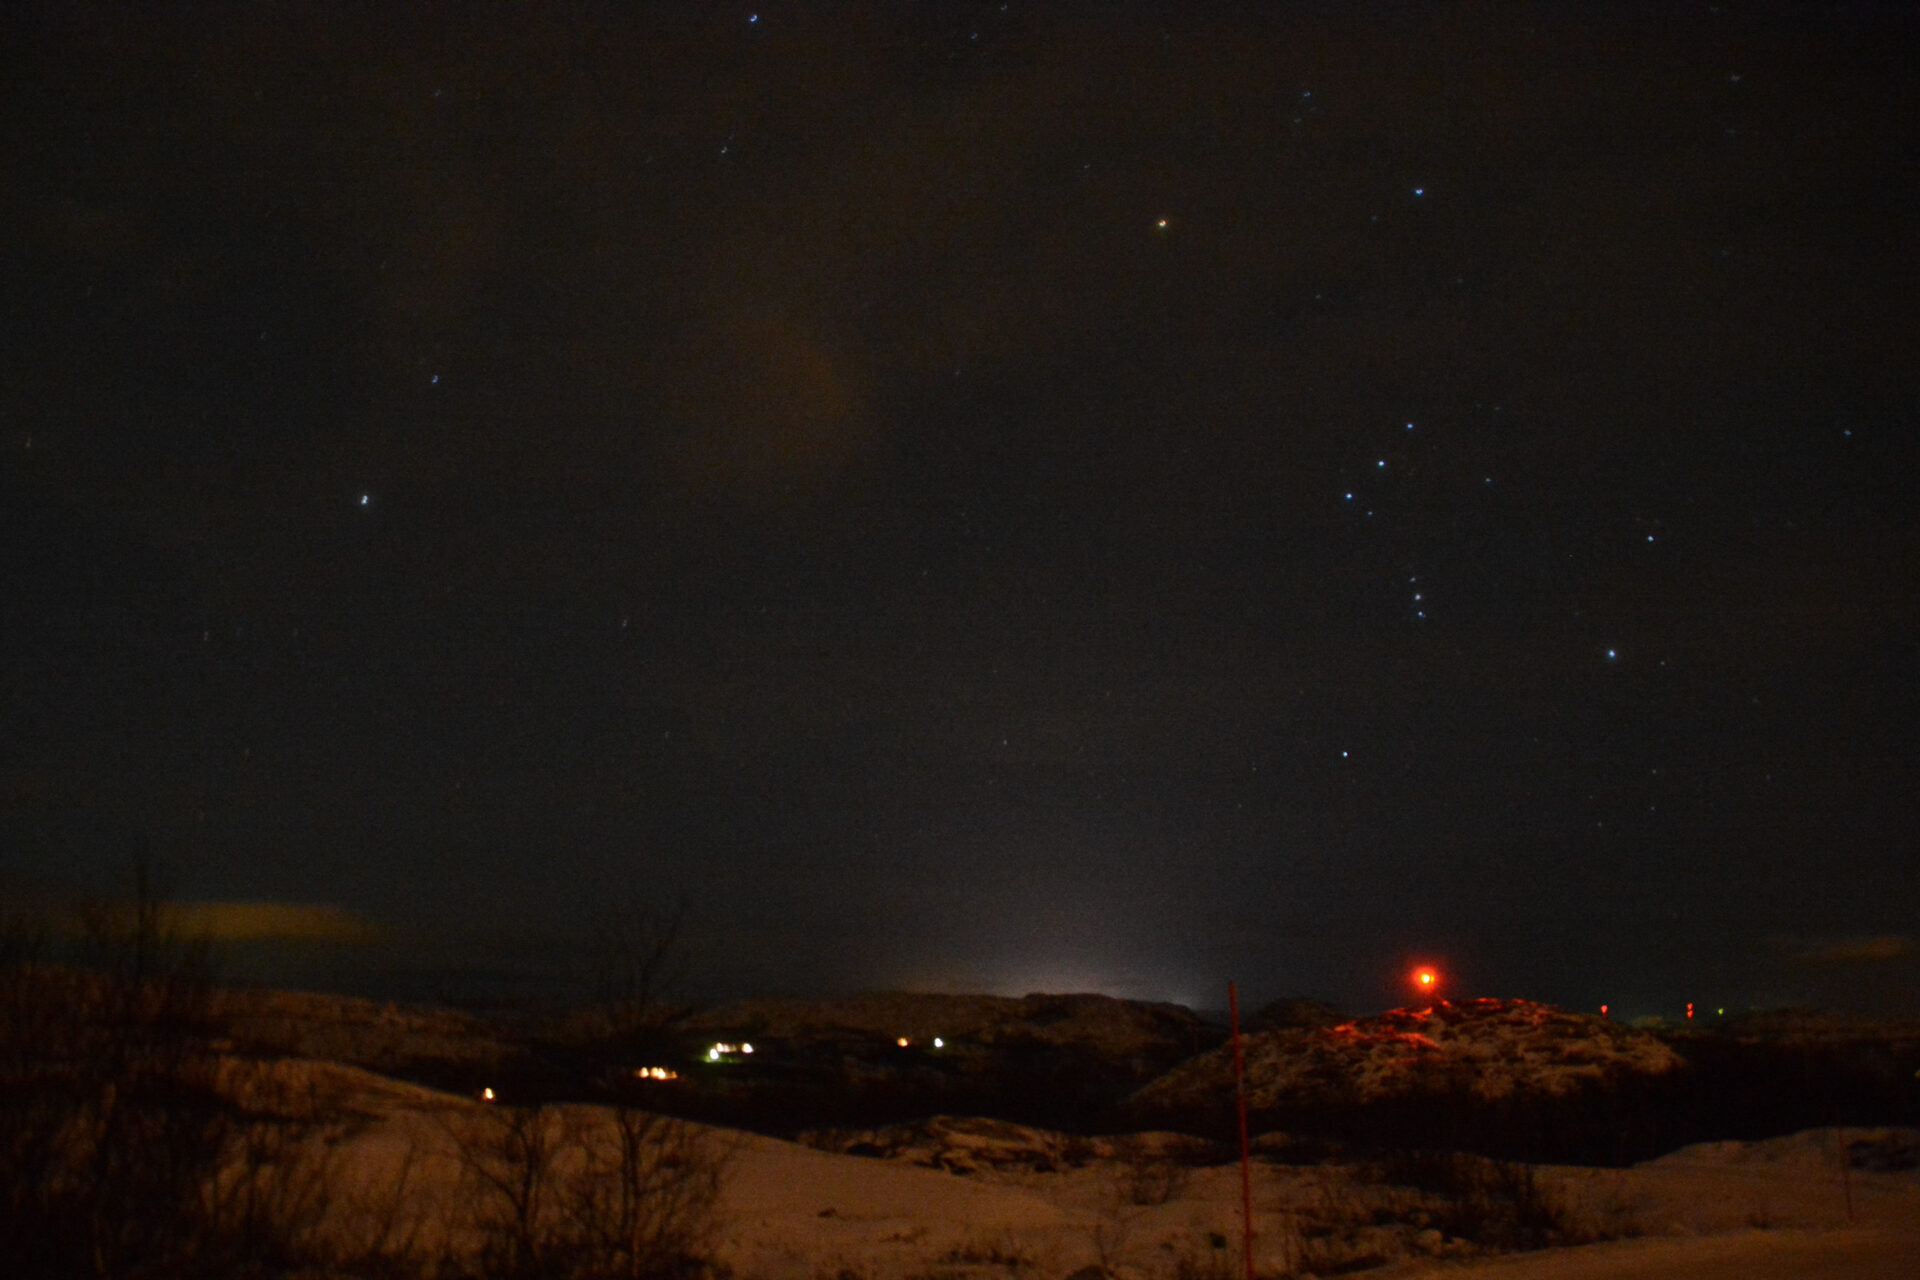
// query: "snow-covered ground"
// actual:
[[967, 1198], [1759, 1210]]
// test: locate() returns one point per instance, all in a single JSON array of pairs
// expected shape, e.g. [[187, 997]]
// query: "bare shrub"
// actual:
[[125, 1149], [557, 1195], [375, 1230], [1001, 1252], [1498, 1204], [508, 1155], [647, 1196], [111, 1122], [267, 1208], [633, 962]]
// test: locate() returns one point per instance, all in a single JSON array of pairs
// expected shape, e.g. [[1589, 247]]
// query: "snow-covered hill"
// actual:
[[1488, 1049]]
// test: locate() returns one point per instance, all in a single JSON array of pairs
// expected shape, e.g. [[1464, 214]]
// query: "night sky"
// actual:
[[974, 496]]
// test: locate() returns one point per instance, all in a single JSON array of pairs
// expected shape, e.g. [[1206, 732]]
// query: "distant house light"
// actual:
[[655, 1073], [903, 1042], [938, 1043], [486, 1094]]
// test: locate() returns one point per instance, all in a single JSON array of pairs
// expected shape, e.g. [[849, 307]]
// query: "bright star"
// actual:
[[365, 498]]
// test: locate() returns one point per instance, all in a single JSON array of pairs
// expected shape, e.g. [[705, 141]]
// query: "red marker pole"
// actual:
[[1240, 1102], [1846, 1178]]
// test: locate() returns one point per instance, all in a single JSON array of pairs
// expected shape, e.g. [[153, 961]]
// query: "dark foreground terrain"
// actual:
[[155, 1124]]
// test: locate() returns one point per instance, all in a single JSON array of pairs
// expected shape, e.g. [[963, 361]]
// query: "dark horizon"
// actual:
[[976, 496]]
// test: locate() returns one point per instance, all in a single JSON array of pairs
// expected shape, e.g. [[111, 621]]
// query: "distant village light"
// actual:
[[938, 1043], [903, 1042], [486, 1094]]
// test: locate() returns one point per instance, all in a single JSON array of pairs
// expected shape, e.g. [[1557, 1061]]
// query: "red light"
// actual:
[[1689, 1008], [1603, 1011], [1426, 979]]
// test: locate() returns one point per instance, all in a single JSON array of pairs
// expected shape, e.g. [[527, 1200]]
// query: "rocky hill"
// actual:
[[1502, 1074], [1489, 1048]]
